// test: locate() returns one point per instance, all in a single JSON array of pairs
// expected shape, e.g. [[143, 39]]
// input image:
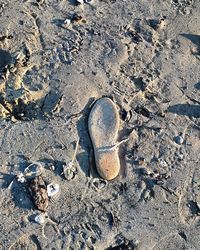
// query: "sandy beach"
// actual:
[[57, 58]]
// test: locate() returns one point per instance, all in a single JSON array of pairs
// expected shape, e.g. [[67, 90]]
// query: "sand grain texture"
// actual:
[[144, 55]]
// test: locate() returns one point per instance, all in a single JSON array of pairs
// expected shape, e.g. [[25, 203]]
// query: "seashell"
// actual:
[[51, 167], [89, 1], [69, 171], [67, 22], [33, 170], [38, 191], [99, 183], [53, 191], [80, 1], [21, 178], [40, 219]]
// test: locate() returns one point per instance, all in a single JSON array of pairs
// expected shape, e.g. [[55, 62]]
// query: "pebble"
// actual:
[[179, 139], [40, 219], [163, 163], [69, 171]]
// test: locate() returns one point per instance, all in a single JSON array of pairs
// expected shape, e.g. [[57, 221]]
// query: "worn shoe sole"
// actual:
[[103, 127]]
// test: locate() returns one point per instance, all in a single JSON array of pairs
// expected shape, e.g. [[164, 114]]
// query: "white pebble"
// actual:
[[52, 189], [40, 219], [179, 140], [67, 22]]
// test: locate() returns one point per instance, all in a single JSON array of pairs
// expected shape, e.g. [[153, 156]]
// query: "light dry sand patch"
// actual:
[[145, 56]]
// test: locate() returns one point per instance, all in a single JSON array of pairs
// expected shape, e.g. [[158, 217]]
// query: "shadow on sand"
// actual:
[[86, 158], [185, 109], [195, 39]]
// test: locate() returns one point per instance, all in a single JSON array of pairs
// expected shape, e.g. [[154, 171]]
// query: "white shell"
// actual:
[[34, 169], [88, 1], [21, 178], [51, 167], [40, 219], [99, 184], [67, 22], [80, 1], [52, 189]]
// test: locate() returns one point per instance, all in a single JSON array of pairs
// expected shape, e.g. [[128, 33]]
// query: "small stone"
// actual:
[[148, 195], [179, 139], [69, 171], [163, 163], [40, 219]]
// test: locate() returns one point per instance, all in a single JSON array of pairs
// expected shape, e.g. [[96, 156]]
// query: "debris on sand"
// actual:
[[69, 170], [179, 139], [43, 219], [99, 184], [38, 191], [84, 1], [66, 23], [75, 18], [80, 1], [21, 178], [40, 219], [33, 170], [53, 190]]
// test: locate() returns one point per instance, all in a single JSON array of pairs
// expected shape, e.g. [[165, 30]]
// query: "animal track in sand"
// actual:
[[82, 236]]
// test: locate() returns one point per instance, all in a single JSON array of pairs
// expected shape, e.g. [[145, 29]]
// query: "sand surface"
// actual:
[[56, 59]]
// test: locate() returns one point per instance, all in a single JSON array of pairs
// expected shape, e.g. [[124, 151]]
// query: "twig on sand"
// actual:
[[70, 163], [181, 193], [75, 151], [168, 190], [11, 183]]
